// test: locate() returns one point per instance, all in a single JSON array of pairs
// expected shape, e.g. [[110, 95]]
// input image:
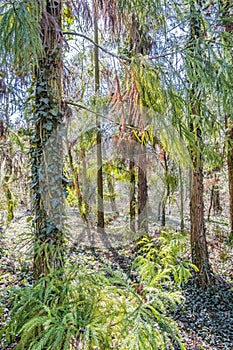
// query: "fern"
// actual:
[[89, 310], [160, 258]]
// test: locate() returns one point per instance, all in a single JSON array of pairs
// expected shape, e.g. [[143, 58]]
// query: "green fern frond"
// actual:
[[94, 311]]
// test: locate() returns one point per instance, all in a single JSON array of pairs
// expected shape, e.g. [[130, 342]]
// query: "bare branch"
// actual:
[[97, 45]]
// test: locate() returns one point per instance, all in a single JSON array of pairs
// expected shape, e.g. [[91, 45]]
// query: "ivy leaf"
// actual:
[[44, 100], [48, 126], [54, 111]]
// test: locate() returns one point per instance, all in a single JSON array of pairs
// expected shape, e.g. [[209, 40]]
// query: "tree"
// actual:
[[225, 9], [46, 145], [100, 194], [199, 249], [34, 48]]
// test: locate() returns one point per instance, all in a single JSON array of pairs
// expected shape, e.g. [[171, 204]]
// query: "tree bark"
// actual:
[[132, 204], [230, 176], [181, 199], [200, 256], [10, 202], [100, 191], [226, 6], [46, 147], [112, 194], [82, 206], [166, 189], [142, 193]]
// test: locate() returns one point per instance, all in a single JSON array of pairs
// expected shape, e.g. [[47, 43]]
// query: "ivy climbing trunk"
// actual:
[[46, 146], [200, 256]]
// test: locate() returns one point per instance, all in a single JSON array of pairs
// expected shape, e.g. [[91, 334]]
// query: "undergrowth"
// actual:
[[161, 259], [80, 308]]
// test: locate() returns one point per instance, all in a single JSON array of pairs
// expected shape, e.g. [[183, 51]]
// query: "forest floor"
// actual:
[[205, 318]]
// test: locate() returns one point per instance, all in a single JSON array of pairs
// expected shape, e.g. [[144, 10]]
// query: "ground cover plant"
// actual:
[[81, 307], [139, 295]]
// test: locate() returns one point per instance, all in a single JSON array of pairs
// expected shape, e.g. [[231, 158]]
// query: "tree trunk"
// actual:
[[230, 177], [166, 189], [181, 199], [228, 26], [46, 147], [85, 182], [10, 202], [211, 202], [142, 193], [4, 133], [214, 198], [112, 194], [132, 204], [216, 201], [81, 202], [200, 256], [100, 192], [163, 213]]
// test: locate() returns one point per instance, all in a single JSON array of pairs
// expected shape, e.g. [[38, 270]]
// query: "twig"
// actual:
[[99, 114], [97, 45]]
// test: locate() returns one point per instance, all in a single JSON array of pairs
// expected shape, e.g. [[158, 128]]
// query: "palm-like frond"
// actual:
[[20, 34]]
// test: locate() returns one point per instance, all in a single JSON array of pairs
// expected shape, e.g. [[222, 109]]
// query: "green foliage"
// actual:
[[83, 309], [71, 198], [149, 86], [20, 39], [160, 258], [171, 181]]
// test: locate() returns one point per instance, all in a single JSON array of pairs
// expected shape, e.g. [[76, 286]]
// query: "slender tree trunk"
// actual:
[[163, 213], [46, 147], [142, 193], [200, 256], [226, 7], [112, 194], [85, 182], [132, 204], [216, 201], [10, 202], [181, 199], [76, 183], [6, 183], [100, 192], [230, 177], [159, 216], [211, 202], [166, 190]]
